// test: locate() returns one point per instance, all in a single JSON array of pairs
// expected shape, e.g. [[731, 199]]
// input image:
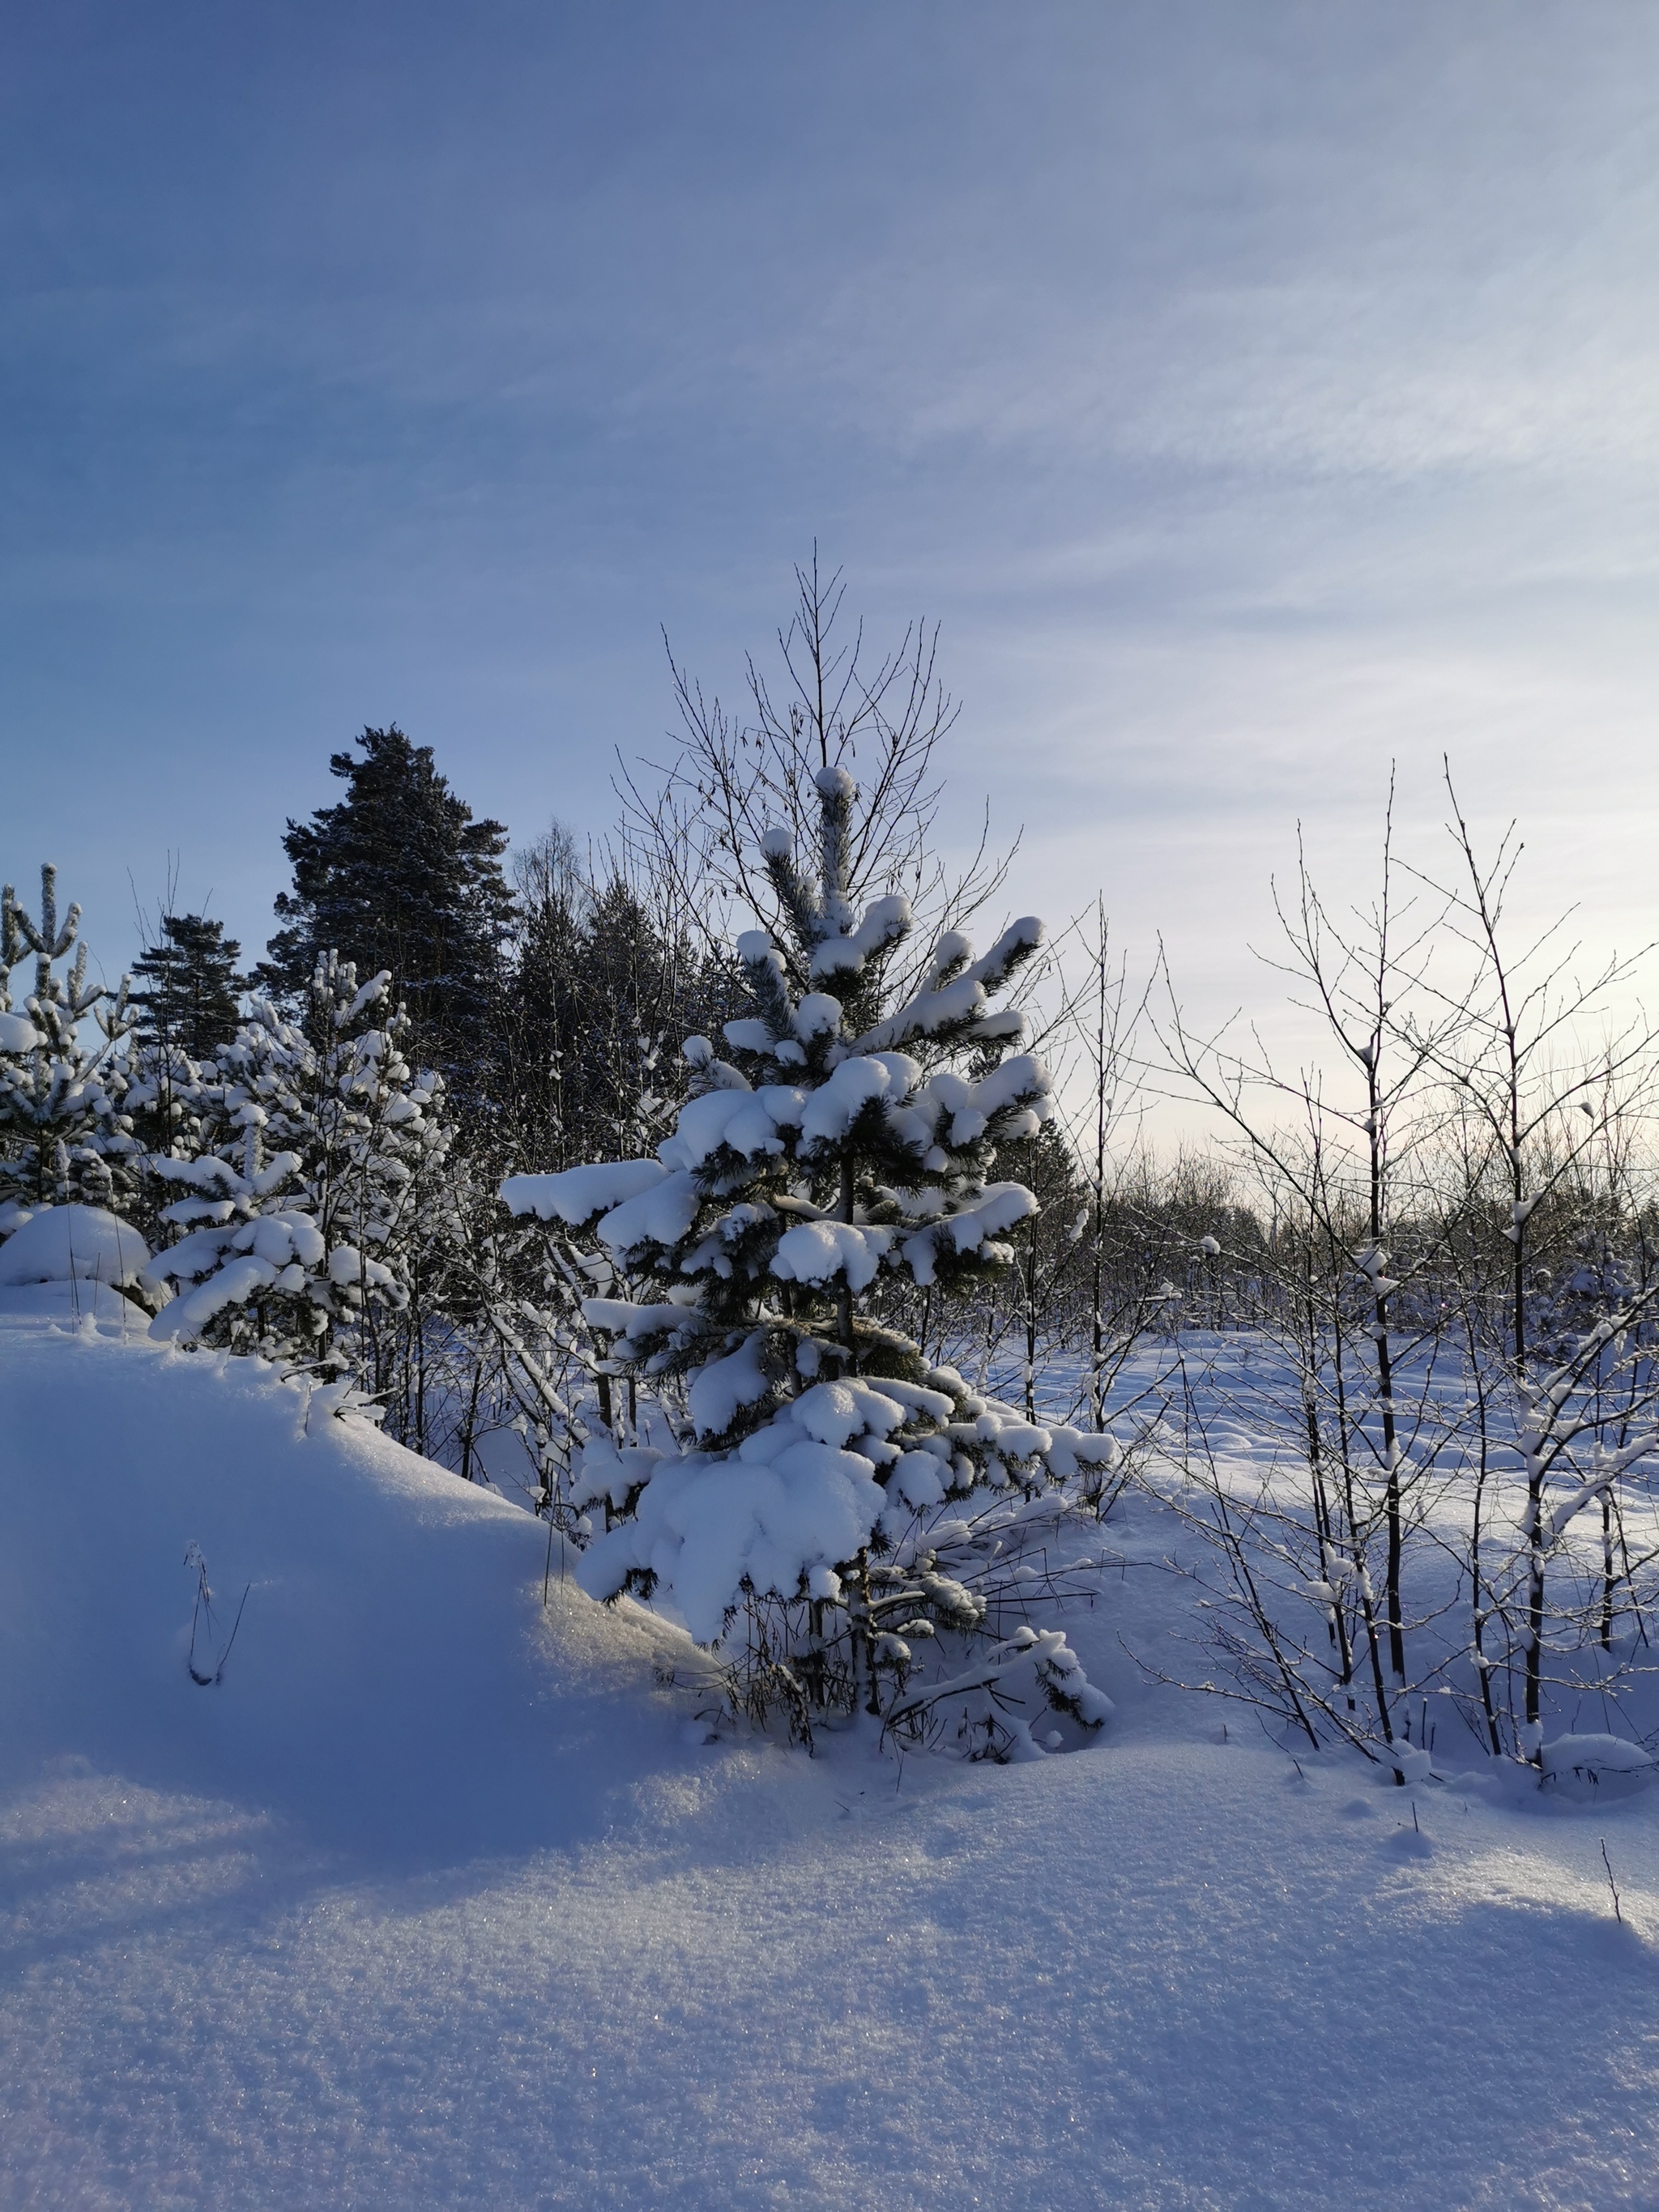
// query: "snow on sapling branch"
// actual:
[[841, 1145], [64, 1133], [526, 1282], [296, 1226]]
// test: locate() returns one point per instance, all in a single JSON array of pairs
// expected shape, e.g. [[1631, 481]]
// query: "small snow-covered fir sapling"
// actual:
[[297, 1223], [850, 1137], [64, 1135]]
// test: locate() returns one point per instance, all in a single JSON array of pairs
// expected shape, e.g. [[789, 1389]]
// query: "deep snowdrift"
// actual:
[[431, 1901], [394, 1687]]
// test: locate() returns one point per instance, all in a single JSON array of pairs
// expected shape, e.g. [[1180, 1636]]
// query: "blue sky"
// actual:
[[1254, 393]]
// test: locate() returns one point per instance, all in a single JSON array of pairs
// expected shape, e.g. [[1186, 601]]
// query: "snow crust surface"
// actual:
[[436, 1898]]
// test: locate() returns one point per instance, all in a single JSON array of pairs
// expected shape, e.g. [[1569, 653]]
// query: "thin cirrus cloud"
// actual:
[[1258, 398]]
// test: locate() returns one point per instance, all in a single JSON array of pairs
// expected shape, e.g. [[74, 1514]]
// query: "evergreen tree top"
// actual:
[[397, 875], [190, 986]]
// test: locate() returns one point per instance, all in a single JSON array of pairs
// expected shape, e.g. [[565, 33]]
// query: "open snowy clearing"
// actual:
[[431, 1900]]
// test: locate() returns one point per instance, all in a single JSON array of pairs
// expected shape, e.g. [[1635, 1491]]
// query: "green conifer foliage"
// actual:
[[190, 988], [603, 990], [398, 876]]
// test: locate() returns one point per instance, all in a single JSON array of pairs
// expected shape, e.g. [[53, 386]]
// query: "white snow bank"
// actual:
[[1126, 1980], [1584, 1763], [392, 1632], [52, 1304], [428, 1902]]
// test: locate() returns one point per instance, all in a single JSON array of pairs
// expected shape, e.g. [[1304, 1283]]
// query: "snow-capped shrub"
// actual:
[[71, 1244]]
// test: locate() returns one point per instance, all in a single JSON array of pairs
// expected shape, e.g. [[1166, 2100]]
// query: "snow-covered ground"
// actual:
[[432, 1901]]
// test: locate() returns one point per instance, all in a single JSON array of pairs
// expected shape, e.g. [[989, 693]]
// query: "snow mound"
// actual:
[[395, 1684], [1580, 1765], [72, 1244]]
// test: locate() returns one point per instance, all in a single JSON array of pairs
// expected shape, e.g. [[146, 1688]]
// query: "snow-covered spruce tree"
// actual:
[[298, 1224], [803, 1525], [64, 1133]]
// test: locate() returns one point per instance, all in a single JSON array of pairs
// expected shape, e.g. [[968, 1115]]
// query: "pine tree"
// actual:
[[399, 876], [191, 987], [603, 987], [64, 1134], [298, 1223], [850, 1137]]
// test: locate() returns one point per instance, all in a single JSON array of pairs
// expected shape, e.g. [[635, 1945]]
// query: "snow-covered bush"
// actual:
[[74, 1250], [298, 1221], [65, 1132], [850, 1137]]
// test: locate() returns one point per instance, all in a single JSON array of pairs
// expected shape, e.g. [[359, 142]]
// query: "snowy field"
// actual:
[[433, 1899]]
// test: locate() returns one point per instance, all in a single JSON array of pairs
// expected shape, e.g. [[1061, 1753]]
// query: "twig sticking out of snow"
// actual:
[[201, 1623], [1617, 1911]]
